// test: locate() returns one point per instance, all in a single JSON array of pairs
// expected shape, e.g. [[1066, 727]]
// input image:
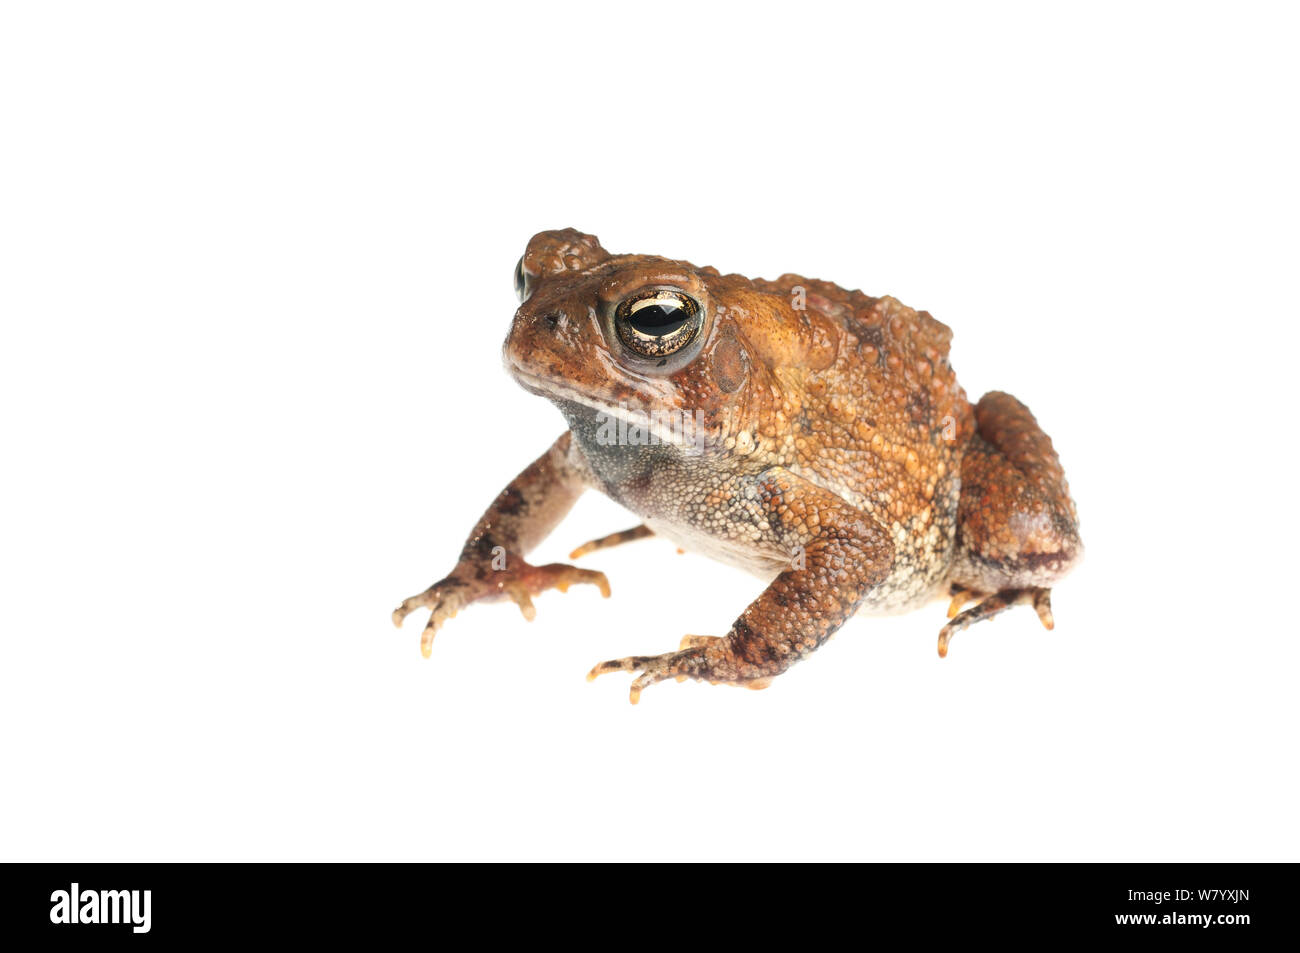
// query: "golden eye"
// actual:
[[657, 323]]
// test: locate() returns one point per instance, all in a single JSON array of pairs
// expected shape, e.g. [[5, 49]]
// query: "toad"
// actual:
[[814, 436]]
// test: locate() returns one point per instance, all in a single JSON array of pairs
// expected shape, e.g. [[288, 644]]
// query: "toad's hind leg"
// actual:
[[1017, 528]]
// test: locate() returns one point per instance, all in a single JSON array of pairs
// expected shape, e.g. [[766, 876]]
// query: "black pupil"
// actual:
[[659, 319]]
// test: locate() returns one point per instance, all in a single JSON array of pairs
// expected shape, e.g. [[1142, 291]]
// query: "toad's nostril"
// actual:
[[553, 320]]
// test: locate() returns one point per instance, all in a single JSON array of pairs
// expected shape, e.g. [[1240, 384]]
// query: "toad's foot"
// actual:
[[470, 582], [613, 539], [690, 662], [1040, 599]]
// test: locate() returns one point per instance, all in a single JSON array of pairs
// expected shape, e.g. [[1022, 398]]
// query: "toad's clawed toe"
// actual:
[[613, 539], [1043, 606], [960, 596]]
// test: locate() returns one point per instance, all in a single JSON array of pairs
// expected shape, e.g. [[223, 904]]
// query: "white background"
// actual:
[[255, 272]]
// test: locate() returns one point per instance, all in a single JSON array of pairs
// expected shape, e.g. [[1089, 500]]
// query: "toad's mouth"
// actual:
[[666, 425]]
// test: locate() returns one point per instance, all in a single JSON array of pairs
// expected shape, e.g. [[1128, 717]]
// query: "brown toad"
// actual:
[[815, 436]]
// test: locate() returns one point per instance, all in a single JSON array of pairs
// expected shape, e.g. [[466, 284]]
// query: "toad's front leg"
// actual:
[[492, 565], [836, 555]]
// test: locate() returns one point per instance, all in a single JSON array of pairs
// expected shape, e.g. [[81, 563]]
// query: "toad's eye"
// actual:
[[657, 323], [521, 282]]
